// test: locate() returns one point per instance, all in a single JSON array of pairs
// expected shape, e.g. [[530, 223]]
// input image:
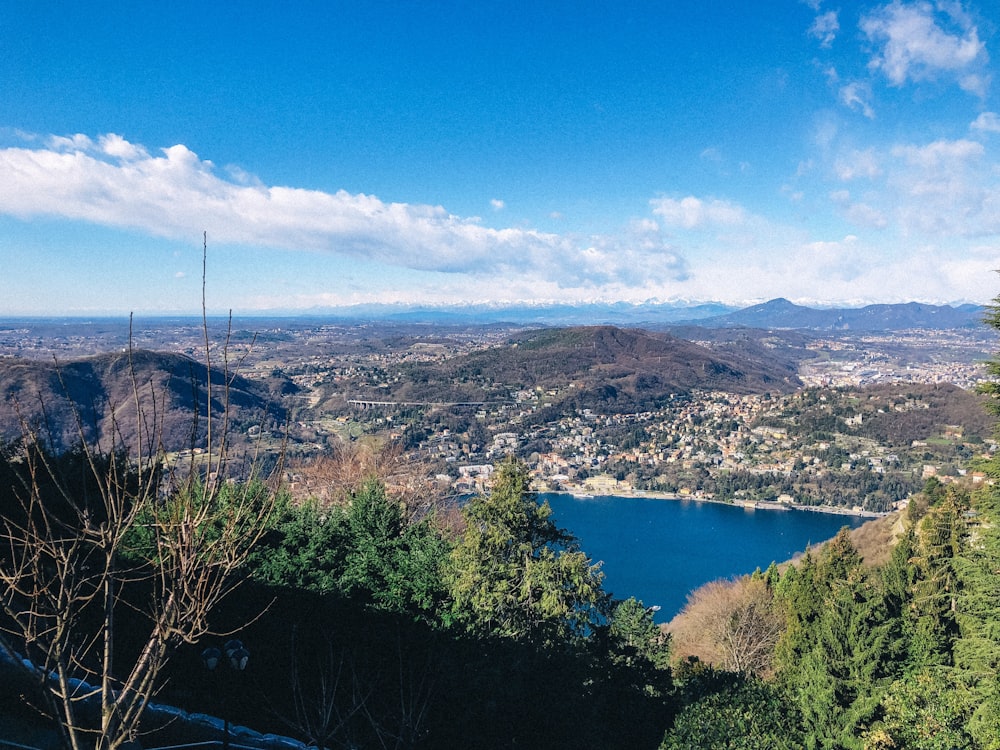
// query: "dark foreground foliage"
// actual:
[[339, 673], [380, 631]]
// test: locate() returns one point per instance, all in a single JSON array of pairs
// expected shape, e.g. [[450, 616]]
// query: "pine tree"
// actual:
[[977, 613], [743, 713], [514, 573], [935, 587], [800, 600], [924, 711], [841, 649], [398, 566], [897, 578]]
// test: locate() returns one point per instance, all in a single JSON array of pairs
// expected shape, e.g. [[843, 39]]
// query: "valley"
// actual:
[[846, 420]]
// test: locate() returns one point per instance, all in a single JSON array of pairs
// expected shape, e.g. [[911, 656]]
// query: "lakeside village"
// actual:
[[745, 449], [686, 447]]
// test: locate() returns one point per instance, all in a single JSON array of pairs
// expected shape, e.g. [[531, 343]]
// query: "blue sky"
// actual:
[[344, 153]]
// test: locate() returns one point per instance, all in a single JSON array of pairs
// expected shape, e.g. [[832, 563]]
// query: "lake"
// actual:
[[661, 550]]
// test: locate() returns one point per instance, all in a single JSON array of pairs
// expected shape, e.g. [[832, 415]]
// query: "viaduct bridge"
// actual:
[[365, 403]]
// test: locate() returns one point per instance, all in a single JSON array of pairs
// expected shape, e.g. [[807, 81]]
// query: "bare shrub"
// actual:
[[733, 625], [337, 476]]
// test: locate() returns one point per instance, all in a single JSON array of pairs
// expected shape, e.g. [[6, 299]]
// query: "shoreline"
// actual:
[[757, 505]]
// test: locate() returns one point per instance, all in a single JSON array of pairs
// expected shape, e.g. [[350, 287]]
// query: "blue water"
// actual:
[[661, 550]]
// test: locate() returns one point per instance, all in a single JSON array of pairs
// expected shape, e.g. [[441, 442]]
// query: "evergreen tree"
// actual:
[[366, 550], [924, 711], [636, 636], [935, 586], [991, 386], [514, 573], [398, 567], [978, 598], [839, 560], [734, 712], [977, 613], [800, 599], [897, 578], [303, 549], [842, 647]]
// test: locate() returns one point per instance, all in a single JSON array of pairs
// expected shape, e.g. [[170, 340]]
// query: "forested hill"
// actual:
[[92, 397], [595, 367]]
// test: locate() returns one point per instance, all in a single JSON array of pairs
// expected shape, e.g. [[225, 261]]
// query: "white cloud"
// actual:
[[858, 213], [944, 188], [695, 213], [857, 96], [114, 183], [114, 145], [987, 122], [858, 164], [861, 214], [910, 209], [921, 191], [838, 261], [68, 142], [825, 131], [639, 256], [827, 247], [940, 153], [241, 177], [825, 28], [974, 83], [644, 226], [920, 41], [497, 204]]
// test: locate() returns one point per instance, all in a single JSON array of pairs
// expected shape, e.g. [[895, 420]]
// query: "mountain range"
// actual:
[[777, 313]]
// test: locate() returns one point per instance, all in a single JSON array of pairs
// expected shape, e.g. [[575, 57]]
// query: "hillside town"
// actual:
[[682, 450]]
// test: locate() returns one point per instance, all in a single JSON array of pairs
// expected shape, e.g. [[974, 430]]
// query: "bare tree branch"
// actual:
[[106, 532]]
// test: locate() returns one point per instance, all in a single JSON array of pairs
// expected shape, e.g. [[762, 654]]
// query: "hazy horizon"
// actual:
[[557, 314]]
